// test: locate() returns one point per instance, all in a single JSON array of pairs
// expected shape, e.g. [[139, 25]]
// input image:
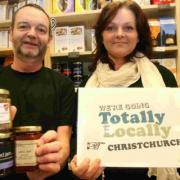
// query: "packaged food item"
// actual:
[[26, 138]]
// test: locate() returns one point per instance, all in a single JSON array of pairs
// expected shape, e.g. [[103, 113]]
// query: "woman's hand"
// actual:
[[86, 170]]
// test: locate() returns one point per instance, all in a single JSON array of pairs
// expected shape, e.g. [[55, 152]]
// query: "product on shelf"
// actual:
[[155, 31], [69, 39], [4, 39], [41, 3], [91, 4], [168, 31], [56, 66], [3, 10], [162, 1], [77, 73], [102, 3], [61, 39], [90, 40], [62, 6], [66, 69], [76, 39], [143, 2], [79, 5]]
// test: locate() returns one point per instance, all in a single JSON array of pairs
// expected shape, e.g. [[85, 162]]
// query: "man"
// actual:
[[42, 96]]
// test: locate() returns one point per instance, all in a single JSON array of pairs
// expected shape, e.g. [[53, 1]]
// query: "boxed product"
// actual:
[[31, 1], [62, 6], [41, 3], [143, 2], [102, 3], [91, 4], [162, 1], [10, 11], [21, 3], [90, 40], [3, 10], [61, 39], [4, 39], [155, 31], [76, 39], [79, 5], [168, 31]]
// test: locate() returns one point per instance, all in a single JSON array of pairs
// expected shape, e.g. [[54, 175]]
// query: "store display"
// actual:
[[165, 40]]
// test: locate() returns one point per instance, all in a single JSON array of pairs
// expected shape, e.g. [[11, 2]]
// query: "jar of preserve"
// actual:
[[6, 153], [5, 118], [26, 138]]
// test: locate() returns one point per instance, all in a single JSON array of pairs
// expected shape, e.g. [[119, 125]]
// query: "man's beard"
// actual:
[[39, 55]]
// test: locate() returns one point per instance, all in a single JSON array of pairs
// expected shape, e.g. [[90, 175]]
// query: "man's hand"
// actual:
[[13, 111], [48, 156]]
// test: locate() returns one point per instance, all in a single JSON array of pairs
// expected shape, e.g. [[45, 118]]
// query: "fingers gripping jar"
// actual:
[[26, 138], [5, 118]]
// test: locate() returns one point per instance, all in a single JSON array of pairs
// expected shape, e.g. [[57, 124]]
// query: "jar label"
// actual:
[[6, 156], [4, 113], [25, 152]]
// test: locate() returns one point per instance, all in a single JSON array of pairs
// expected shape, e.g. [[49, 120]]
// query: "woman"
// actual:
[[122, 60]]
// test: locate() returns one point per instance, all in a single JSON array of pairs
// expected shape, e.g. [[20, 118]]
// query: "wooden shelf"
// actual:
[[5, 51], [85, 53], [88, 53], [165, 48], [5, 24], [154, 7], [87, 18]]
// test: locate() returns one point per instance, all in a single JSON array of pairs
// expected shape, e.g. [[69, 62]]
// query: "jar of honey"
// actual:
[[26, 138], [5, 118]]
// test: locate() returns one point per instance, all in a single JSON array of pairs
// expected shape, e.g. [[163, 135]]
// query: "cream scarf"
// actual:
[[128, 74]]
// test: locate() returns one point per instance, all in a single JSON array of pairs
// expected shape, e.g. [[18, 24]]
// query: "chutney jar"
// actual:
[[26, 139]]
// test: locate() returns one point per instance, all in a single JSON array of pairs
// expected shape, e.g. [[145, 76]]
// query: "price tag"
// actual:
[[163, 6], [159, 49], [74, 54]]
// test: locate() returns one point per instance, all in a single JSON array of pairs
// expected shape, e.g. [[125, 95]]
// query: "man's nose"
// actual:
[[32, 32]]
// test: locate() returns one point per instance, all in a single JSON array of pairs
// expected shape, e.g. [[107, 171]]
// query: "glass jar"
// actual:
[[26, 138], [5, 118], [6, 153]]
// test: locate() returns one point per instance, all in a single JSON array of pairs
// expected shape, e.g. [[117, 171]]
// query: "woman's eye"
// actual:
[[128, 28], [110, 28]]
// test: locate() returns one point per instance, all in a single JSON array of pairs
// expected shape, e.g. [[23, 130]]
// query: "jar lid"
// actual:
[[4, 91], [4, 135], [28, 129]]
